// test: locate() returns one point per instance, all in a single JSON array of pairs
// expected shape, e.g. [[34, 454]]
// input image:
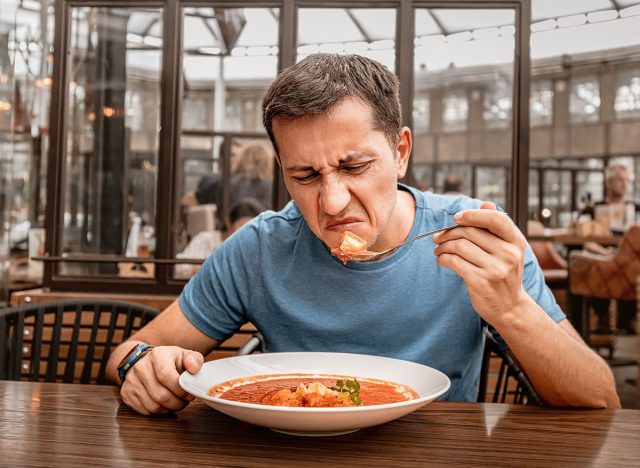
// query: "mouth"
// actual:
[[347, 224]]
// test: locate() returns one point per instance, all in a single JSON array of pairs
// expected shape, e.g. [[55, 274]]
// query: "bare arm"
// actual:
[[151, 385], [562, 368], [488, 253]]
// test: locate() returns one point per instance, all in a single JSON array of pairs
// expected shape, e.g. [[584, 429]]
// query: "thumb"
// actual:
[[487, 205], [192, 361]]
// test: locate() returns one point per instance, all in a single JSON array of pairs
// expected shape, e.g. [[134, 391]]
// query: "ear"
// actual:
[[403, 151]]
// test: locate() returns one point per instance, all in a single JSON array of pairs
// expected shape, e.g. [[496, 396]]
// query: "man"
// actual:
[[335, 124], [616, 184], [621, 214]]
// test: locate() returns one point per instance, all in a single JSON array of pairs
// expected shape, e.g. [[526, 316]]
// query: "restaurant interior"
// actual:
[[124, 125]]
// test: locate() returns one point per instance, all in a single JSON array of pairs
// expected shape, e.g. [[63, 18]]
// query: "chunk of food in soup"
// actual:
[[351, 245], [312, 391]]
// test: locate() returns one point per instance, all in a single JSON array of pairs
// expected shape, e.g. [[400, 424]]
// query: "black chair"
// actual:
[[255, 344], [65, 341], [512, 385]]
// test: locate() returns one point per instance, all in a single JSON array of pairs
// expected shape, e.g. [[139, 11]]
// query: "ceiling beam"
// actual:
[[358, 25], [436, 20]]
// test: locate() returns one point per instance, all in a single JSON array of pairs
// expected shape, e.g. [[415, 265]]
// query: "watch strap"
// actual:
[[130, 359]]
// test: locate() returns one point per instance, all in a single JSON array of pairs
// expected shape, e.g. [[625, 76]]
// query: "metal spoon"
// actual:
[[367, 255]]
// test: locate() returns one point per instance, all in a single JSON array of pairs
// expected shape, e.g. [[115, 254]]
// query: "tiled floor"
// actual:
[[628, 346]]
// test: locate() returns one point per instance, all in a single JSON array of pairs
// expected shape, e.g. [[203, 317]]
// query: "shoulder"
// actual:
[[438, 204]]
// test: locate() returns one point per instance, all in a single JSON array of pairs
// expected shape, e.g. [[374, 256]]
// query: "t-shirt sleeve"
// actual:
[[533, 282], [218, 297]]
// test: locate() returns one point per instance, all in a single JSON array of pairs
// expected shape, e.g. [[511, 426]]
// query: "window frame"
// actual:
[[168, 171]]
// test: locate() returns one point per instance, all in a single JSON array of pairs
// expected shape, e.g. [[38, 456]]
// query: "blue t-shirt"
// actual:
[[275, 273]]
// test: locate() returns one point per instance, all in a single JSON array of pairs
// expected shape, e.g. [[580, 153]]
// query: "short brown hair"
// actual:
[[320, 81]]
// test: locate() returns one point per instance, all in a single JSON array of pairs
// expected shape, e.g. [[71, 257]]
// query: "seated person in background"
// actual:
[[335, 123], [620, 215], [617, 180], [209, 189], [253, 177], [205, 242]]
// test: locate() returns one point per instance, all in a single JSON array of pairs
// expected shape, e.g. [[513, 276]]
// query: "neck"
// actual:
[[402, 220], [614, 199]]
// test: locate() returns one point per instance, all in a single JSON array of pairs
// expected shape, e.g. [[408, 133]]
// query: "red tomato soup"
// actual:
[[306, 390]]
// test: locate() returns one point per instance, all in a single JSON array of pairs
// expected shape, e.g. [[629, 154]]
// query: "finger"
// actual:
[[191, 361], [487, 205], [484, 239], [157, 393], [494, 221], [132, 401], [467, 250], [464, 269], [498, 248], [167, 373]]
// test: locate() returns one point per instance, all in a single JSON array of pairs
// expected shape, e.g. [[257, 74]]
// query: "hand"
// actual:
[[151, 385], [487, 251]]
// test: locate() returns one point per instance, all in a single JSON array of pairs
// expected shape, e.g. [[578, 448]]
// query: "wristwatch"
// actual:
[[131, 358]]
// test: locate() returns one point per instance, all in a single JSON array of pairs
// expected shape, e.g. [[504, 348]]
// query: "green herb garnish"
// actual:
[[352, 387]]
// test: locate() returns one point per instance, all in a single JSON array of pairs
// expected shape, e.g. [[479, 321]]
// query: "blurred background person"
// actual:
[[617, 210], [209, 189], [618, 213], [205, 242], [253, 177]]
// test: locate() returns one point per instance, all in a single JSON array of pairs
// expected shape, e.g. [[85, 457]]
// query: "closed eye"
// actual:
[[356, 169], [306, 178]]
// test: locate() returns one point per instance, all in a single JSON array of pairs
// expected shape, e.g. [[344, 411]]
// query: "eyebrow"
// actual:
[[354, 156]]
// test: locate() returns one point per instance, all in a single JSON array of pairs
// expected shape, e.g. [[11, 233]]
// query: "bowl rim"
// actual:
[[185, 381]]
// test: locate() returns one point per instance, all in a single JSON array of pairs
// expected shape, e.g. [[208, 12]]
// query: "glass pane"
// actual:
[[229, 60], [230, 56], [369, 32], [26, 36], [113, 123], [492, 183], [463, 61], [248, 191], [589, 114], [557, 198]]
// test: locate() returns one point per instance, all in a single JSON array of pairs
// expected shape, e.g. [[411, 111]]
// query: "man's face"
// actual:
[[618, 183], [342, 174]]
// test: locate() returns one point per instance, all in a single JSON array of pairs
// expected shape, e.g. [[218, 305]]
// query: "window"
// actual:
[[497, 105], [455, 112], [541, 103], [112, 145], [628, 94], [584, 102]]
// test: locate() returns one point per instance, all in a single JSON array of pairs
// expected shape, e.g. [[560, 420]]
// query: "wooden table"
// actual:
[[572, 242], [85, 425]]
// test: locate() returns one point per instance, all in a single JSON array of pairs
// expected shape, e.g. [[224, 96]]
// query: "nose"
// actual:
[[334, 195]]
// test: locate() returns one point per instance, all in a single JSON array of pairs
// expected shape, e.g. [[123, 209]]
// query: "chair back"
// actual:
[[509, 384], [608, 278], [65, 341]]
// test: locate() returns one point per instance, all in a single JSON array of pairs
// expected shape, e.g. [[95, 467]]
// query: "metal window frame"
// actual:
[[171, 85]]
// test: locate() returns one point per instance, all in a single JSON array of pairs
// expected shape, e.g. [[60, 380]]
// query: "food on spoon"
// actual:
[[312, 391], [351, 245]]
